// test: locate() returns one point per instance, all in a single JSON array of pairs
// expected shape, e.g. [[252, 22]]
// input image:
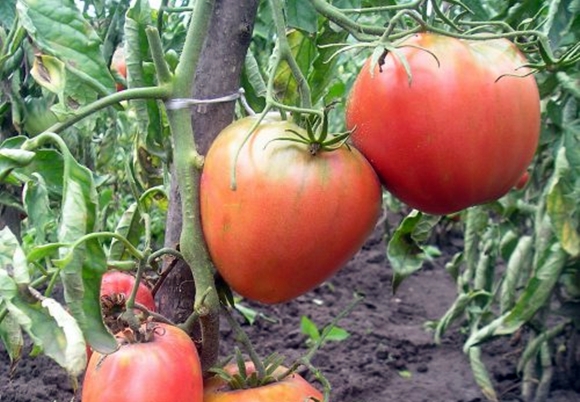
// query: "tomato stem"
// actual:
[[440, 22], [188, 173], [243, 338]]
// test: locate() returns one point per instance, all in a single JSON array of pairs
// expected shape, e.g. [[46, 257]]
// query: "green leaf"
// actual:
[[537, 292], [48, 324], [301, 14], [562, 206], [12, 157], [12, 257], [42, 251], [37, 205], [481, 374], [68, 36], [7, 14], [308, 328], [304, 52], [130, 227], [84, 266], [150, 128], [337, 334], [519, 261], [324, 70], [405, 250], [557, 22], [457, 309], [11, 336], [50, 164]]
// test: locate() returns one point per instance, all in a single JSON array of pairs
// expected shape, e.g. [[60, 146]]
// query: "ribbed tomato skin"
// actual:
[[460, 133], [293, 219], [164, 370]]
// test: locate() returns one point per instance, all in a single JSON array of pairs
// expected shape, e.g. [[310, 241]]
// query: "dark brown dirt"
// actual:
[[390, 355]]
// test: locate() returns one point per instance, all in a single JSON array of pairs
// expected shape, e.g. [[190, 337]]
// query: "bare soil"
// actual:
[[389, 356]]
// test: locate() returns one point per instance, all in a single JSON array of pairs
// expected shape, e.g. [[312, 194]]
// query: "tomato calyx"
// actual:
[[317, 138], [145, 333], [246, 376]]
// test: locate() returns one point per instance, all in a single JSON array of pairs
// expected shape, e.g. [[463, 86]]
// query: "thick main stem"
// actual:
[[217, 74], [187, 174]]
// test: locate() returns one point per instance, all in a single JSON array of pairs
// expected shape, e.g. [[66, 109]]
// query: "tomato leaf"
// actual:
[[12, 257], [519, 260], [405, 250], [302, 15], [11, 156], [562, 206], [49, 326], [11, 336], [37, 205], [130, 227], [323, 70], [304, 51], [481, 374], [68, 36], [51, 164], [82, 268], [7, 14], [308, 328], [46, 321]]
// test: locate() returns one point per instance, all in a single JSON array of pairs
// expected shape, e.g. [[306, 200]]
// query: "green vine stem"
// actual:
[[157, 92], [188, 173], [243, 338]]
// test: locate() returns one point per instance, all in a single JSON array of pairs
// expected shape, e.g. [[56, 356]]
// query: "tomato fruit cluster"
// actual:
[[460, 131], [293, 218]]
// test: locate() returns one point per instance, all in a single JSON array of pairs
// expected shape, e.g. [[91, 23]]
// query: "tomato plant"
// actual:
[[293, 219], [165, 368], [117, 282], [458, 129], [292, 388]]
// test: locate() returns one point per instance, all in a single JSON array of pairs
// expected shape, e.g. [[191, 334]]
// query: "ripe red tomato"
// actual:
[[166, 369], [293, 388], [294, 218], [117, 282], [458, 135]]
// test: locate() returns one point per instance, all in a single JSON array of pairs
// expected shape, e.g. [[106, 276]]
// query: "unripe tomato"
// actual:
[[165, 369], [460, 133], [294, 218], [293, 388]]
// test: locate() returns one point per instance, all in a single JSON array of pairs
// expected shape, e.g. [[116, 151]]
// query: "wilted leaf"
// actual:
[[130, 227], [49, 72], [405, 250], [11, 336], [12, 257], [67, 35], [49, 326], [37, 205]]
